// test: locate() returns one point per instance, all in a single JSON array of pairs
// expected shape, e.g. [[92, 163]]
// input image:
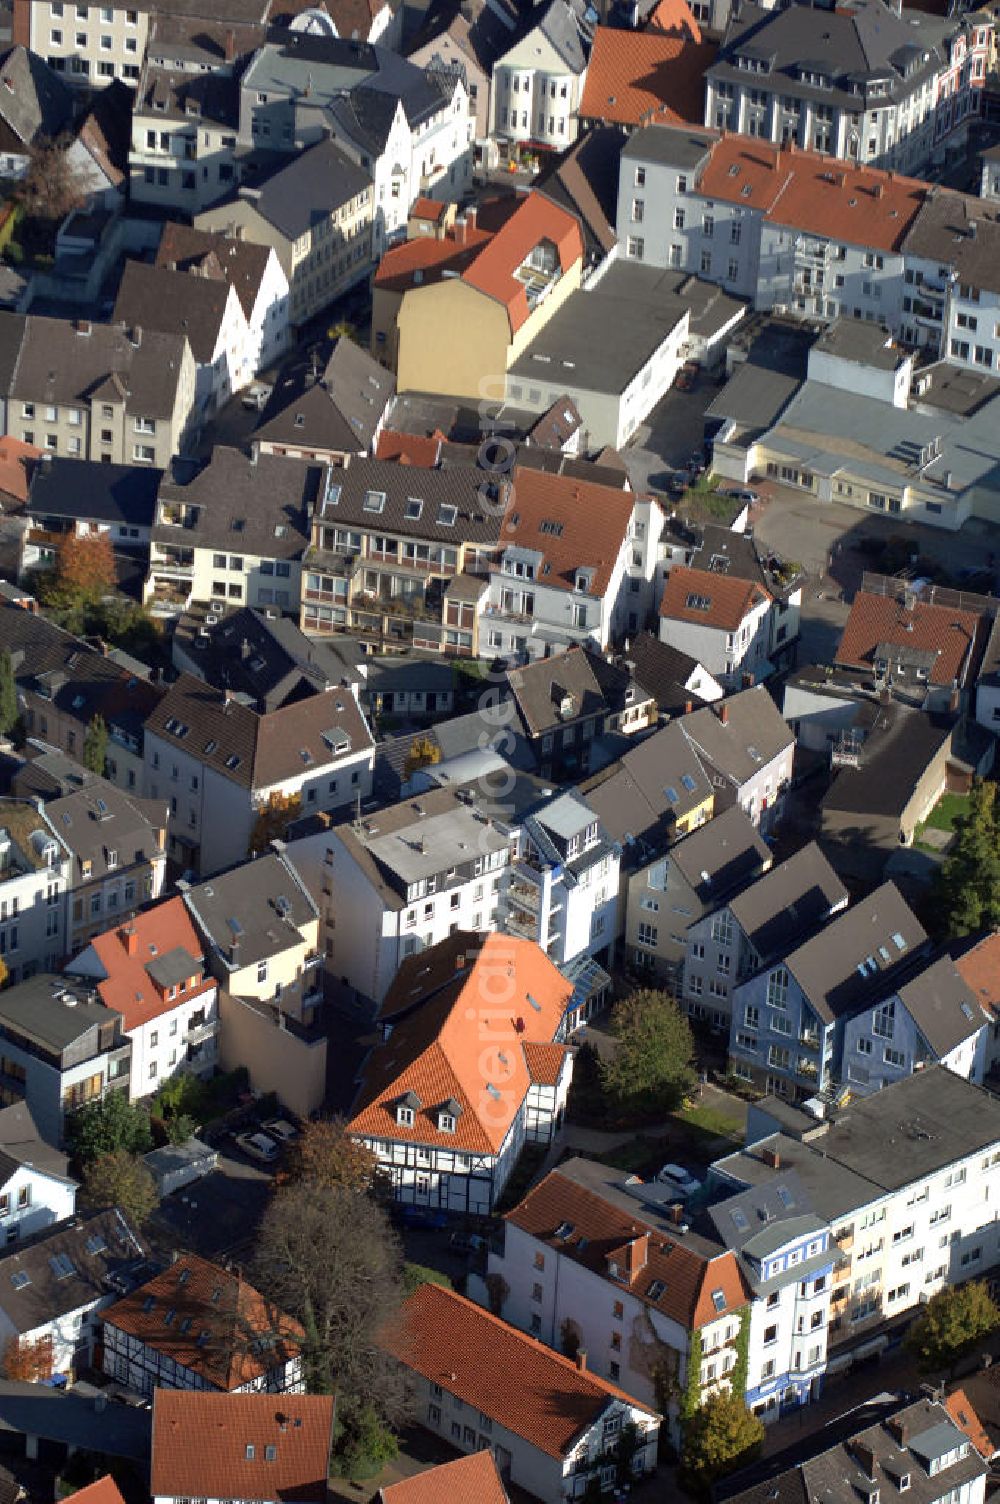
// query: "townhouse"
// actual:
[[445, 1120], [597, 1266], [260, 927], [925, 653], [633, 75], [471, 39], [151, 971], [116, 842], [54, 1290], [887, 90], [674, 679], [408, 127], [36, 875], [789, 1018], [396, 882], [224, 764], [670, 891], [253, 271], [538, 81], [184, 122], [234, 531], [36, 1191], [747, 749], [101, 391], [899, 1178], [567, 702], [554, 1428], [71, 497], [454, 310], [397, 554], [951, 294], [199, 1326], [975, 957], [723, 622], [261, 655], [331, 414], [739, 934], [207, 1446], [315, 211], [60, 1048]]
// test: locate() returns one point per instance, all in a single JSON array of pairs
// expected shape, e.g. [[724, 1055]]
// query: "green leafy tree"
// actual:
[[650, 1070], [95, 745], [120, 1179], [109, 1125], [362, 1445], [180, 1128], [8, 694], [719, 1438], [967, 889], [951, 1322]]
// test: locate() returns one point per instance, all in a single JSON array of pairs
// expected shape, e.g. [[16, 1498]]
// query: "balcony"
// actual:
[[806, 1071], [525, 925], [809, 1041], [200, 1033], [172, 565], [312, 961], [526, 895]]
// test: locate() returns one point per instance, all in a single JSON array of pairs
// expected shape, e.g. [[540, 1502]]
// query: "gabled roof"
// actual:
[[63, 361], [310, 186], [88, 490], [253, 1446], [131, 985], [435, 1048], [259, 504], [979, 967], [17, 461], [242, 262], [739, 735], [678, 1281], [208, 1320], [257, 910], [426, 258], [340, 411], [641, 798], [521, 1385], [721, 855], [104, 1491], [173, 302], [540, 688], [574, 525], [706, 599], [943, 1006], [71, 1265], [467, 1480], [584, 180], [632, 73], [665, 671], [782, 907], [944, 631], [34, 101], [106, 129]]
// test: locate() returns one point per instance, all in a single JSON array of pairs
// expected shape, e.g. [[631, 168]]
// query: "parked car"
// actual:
[[746, 495], [683, 381], [258, 1146], [281, 1130], [676, 1175], [256, 395]]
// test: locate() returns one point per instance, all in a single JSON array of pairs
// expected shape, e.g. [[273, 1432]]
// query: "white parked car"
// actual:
[[281, 1130], [677, 1176], [258, 1146], [255, 397]]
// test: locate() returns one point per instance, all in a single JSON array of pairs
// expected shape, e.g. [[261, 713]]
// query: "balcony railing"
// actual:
[[199, 1033], [522, 924]]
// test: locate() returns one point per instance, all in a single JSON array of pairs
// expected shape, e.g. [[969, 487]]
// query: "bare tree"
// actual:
[[51, 187]]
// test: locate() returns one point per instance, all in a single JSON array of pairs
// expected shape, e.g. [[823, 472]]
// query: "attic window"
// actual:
[[233, 762], [404, 1117], [564, 1230], [446, 1122], [96, 1244], [447, 516], [551, 528], [672, 794], [210, 747], [414, 507], [688, 782], [898, 941], [20, 1279], [719, 1299], [250, 1453], [746, 190], [698, 603], [270, 1453], [238, 524], [300, 420], [374, 501], [655, 1290], [62, 1265]]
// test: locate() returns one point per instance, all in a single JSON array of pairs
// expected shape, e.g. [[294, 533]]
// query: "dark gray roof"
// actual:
[[89, 1252], [786, 903], [631, 799], [669, 146], [753, 734], [101, 824], [566, 25], [539, 688], [265, 657], [261, 905], [461, 489], [20, 1140], [943, 1007], [899, 743], [52, 1011], [63, 362], [34, 101], [86, 489], [385, 674], [182, 303], [12, 327], [584, 180], [246, 505], [172, 969], [865, 343], [722, 855], [341, 411], [721, 551], [664, 671], [879, 933], [961, 231], [178, 94], [306, 190], [762, 386]]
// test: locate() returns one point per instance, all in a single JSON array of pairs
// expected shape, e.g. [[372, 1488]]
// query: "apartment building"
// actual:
[[746, 747], [36, 875], [889, 90], [591, 1261], [566, 702], [315, 211], [740, 933], [925, 653], [193, 1327], [88, 45], [182, 149], [724, 623], [331, 414], [538, 82], [951, 294], [445, 1120], [221, 762], [789, 1018], [71, 497], [101, 391], [151, 971]]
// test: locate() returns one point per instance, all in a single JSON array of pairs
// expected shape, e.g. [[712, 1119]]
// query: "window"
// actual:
[[777, 988]]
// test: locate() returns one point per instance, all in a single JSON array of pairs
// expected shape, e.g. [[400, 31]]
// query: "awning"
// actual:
[[587, 979]]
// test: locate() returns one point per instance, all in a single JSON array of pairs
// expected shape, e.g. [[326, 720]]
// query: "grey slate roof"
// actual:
[[101, 824], [34, 101], [722, 855], [341, 411], [34, 1008], [253, 506], [754, 733], [786, 903], [61, 364], [959, 230], [461, 487], [265, 898], [99, 1249], [172, 302], [900, 743], [664, 670], [539, 688], [177, 94], [669, 146], [89, 490], [307, 189], [630, 796], [264, 657], [943, 1007]]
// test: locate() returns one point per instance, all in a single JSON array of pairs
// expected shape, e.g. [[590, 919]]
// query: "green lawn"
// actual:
[[945, 812], [711, 1120]]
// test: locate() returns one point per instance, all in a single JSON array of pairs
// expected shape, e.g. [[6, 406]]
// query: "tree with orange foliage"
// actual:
[[86, 567], [273, 819], [29, 1361], [326, 1155]]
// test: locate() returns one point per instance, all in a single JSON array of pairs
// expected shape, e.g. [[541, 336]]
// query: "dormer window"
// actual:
[[404, 1117], [406, 1109], [446, 1123]]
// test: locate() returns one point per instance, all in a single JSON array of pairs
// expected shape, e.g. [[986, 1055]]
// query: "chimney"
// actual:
[[771, 1158], [688, 707], [246, 649], [865, 1457], [136, 335], [898, 1430], [471, 217], [581, 1359], [461, 225], [230, 46], [676, 1213], [878, 190], [722, 711], [747, 680], [130, 940], [638, 1254], [954, 702]]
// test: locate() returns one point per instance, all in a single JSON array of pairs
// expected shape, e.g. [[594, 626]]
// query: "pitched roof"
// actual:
[[104, 1491], [131, 985], [467, 1480], [154, 297], [16, 467], [584, 180], [267, 900], [106, 130], [34, 101], [706, 599], [528, 1389], [944, 631], [242, 262], [312, 184], [70, 1265], [340, 411], [753, 733], [633, 72], [781, 907], [674, 16], [810, 191], [63, 361], [206, 1319], [261, 505], [962, 1413], [88, 489], [675, 1280], [641, 798], [435, 1050], [664, 670], [943, 1006], [493, 270], [253, 1446], [540, 687], [574, 524], [409, 448], [979, 968], [721, 855]]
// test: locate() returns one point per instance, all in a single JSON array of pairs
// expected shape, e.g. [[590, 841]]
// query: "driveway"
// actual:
[[674, 430]]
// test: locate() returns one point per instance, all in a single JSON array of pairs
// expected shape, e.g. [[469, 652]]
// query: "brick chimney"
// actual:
[[771, 1158], [688, 707], [471, 217], [130, 940], [865, 1457], [637, 1254], [230, 46], [460, 228], [722, 711], [581, 1359], [878, 190], [898, 1430]]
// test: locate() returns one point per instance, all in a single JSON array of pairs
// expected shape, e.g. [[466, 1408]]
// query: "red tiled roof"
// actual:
[[814, 192], [427, 208], [943, 630], [633, 72], [104, 1491], [535, 219], [545, 1062], [218, 1312], [409, 448], [245, 1446], [16, 463], [436, 1049], [599, 1229], [960, 1409], [129, 988], [429, 257], [979, 969], [467, 1480], [730, 599], [592, 519], [674, 16], [513, 1379]]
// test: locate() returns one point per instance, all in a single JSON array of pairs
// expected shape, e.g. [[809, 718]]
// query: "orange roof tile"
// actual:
[[104, 1491], [960, 1409], [445, 997], [545, 1062], [674, 16], [427, 208], [130, 986], [245, 1446], [813, 192], [729, 598], [521, 1385], [592, 522], [979, 969], [409, 448], [429, 257], [943, 630], [633, 72], [599, 1229], [467, 1480], [535, 219], [16, 463], [202, 1316]]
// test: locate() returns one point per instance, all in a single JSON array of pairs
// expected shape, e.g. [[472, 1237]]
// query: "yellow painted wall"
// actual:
[[276, 1059]]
